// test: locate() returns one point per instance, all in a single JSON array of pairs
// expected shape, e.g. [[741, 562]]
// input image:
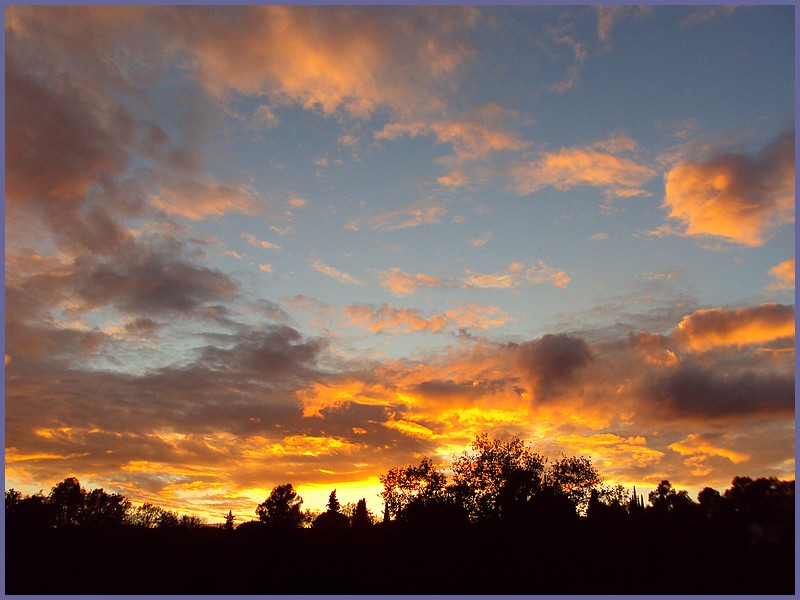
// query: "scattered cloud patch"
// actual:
[[254, 241]]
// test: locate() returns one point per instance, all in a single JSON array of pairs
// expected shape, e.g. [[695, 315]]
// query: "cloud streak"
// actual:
[[335, 273]]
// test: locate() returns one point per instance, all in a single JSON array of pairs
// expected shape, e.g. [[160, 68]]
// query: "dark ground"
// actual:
[[571, 557]]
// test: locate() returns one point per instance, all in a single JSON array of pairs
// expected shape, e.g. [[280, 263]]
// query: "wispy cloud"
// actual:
[[561, 38], [609, 17], [421, 212], [335, 273], [474, 135], [254, 241], [701, 14], [198, 200]]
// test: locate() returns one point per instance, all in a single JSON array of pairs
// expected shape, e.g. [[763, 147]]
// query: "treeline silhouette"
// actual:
[[507, 520]]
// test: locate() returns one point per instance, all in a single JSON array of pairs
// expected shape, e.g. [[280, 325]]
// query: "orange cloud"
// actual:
[[472, 316], [401, 283], [612, 452], [327, 59], [475, 134], [404, 320], [454, 179], [515, 275], [324, 396], [410, 428], [547, 274], [302, 445], [783, 275], [739, 198], [494, 280], [705, 329], [415, 214], [595, 165], [197, 200], [696, 444], [388, 318]]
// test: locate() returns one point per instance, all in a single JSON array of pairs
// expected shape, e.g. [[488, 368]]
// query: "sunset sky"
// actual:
[[251, 246]]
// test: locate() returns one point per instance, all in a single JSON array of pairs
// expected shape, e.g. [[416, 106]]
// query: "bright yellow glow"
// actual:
[[410, 428], [320, 396], [610, 451]]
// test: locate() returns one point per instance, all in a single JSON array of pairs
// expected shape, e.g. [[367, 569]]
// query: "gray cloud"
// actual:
[[142, 279], [277, 352], [694, 391], [553, 361]]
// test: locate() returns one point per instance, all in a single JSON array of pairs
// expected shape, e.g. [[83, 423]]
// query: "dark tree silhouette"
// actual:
[[67, 499], [333, 503], [738, 542], [229, 519], [666, 499], [575, 478], [191, 521], [332, 519], [103, 509], [282, 508], [362, 517], [498, 479], [711, 503], [403, 485], [151, 516], [28, 512]]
